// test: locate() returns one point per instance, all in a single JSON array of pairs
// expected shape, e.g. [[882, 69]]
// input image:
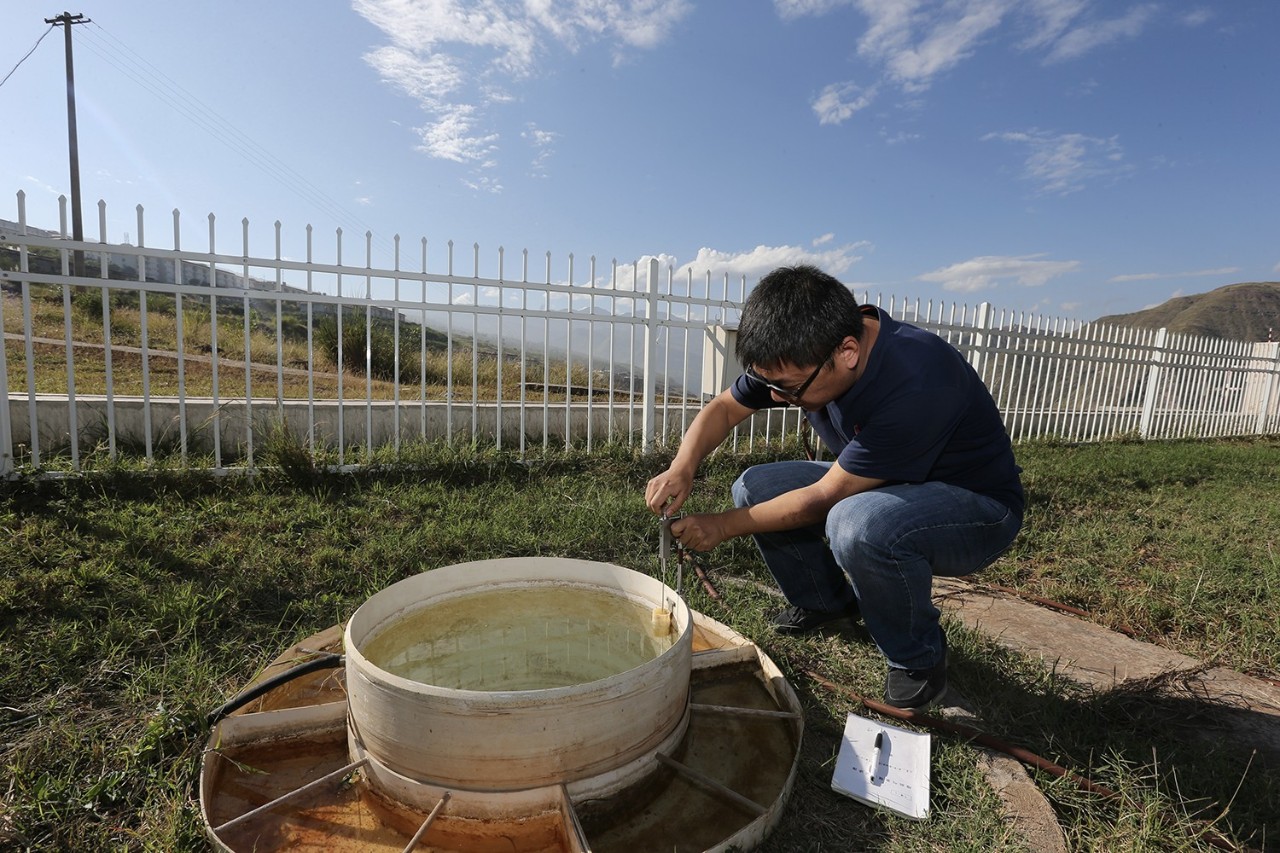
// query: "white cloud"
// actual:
[[788, 9], [452, 137], [1156, 276], [426, 78], [537, 137], [1276, 268], [1197, 17], [736, 266], [541, 141], [951, 35], [756, 262], [1175, 295], [457, 58], [501, 29], [838, 101], [1050, 19], [1094, 34], [913, 41], [1067, 29], [986, 272], [910, 43], [1061, 163], [483, 183], [825, 238], [635, 23], [31, 180], [900, 137]]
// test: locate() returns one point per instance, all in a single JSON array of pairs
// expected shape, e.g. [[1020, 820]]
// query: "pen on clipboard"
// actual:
[[875, 755]]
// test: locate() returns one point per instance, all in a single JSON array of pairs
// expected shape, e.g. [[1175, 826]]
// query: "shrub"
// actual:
[[382, 351]]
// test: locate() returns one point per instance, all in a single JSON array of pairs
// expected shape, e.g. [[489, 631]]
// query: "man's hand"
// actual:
[[668, 491], [700, 532]]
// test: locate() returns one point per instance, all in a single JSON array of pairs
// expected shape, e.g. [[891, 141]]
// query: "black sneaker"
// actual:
[[914, 689], [797, 620]]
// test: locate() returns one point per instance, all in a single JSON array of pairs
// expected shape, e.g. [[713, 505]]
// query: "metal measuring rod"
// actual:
[[667, 545]]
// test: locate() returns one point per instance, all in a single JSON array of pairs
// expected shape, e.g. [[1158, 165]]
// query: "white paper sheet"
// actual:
[[895, 777]]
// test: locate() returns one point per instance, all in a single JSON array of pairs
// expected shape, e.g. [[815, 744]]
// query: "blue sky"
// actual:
[[1069, 157]]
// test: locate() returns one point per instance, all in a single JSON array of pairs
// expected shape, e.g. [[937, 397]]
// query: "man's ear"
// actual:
[[848, 352]]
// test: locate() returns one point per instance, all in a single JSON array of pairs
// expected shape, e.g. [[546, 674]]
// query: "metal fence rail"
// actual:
[[204, 355]]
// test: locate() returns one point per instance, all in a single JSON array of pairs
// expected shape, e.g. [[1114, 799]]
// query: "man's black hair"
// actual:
[[797, 315]]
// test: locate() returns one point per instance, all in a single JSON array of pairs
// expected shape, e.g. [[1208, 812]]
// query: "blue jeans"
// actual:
[[884, 547]]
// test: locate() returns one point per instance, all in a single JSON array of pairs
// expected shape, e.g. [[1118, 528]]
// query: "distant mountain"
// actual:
[[6, 225], [1236, 312], [125, 267]]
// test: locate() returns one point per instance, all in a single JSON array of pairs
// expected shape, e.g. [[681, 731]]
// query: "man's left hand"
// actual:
[[699, 532]]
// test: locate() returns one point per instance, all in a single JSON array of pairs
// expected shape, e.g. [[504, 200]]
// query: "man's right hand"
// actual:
[[668, 491]]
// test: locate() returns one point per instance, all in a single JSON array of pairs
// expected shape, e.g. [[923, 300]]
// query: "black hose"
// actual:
[[327, 660]]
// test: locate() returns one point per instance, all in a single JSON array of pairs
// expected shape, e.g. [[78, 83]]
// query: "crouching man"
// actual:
[[924, 481]]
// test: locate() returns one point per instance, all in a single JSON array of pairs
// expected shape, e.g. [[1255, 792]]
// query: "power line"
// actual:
[[29, 52], [210, 123], [213, 124]]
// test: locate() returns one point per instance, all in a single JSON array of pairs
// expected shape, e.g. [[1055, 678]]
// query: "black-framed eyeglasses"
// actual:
[[792, 394]]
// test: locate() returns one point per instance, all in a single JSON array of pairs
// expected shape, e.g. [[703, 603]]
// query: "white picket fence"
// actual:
[[577, 357]]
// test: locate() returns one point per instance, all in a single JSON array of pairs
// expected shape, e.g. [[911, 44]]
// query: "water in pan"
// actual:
[[527, 638]]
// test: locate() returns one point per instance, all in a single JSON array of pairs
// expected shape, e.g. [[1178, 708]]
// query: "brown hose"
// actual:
[[1047, 602], [697, 561], [977, 736], [706, 581]]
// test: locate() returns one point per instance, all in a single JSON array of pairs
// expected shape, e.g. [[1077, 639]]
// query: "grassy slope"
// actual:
[[1249, 311], [132, 604]]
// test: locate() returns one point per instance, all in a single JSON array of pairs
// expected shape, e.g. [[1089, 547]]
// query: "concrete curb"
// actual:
[[1247, 708], [1030, 815]]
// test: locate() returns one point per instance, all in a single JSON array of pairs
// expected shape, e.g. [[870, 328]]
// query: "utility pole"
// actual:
[[66, 19]]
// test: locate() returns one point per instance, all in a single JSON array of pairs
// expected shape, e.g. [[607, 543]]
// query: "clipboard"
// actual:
[[894, 777]]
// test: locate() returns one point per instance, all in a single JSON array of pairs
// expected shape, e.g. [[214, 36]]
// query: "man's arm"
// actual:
[[667, 492], [797, 508]]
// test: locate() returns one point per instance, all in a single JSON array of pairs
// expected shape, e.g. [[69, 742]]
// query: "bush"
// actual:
[[88, 301], [382, 351]]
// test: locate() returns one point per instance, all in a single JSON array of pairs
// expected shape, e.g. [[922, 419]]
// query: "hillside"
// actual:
[[1238, 312]]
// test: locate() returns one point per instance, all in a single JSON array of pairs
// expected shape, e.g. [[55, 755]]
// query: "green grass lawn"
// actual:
[[131, 603]]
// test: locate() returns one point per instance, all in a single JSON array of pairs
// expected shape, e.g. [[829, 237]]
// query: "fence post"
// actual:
[[981, 326], [1147, 422], [1268, 390], [6, 428], [649, 392]]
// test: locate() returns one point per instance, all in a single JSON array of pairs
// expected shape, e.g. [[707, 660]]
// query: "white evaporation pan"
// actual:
[[527, 704], [508, 625]]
